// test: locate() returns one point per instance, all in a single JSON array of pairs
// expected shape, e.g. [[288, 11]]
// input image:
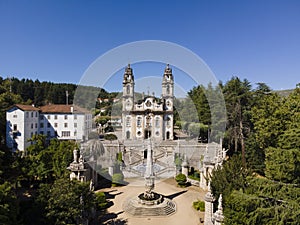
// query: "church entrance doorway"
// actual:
[[168, 135]]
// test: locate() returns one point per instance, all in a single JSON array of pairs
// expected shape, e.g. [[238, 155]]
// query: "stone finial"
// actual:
[[218, 215], [220, 202], [208, 196]]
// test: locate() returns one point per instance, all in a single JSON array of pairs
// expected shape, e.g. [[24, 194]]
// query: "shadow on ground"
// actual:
[[172, 196], [109, 195], [112, 218], [116, 222]]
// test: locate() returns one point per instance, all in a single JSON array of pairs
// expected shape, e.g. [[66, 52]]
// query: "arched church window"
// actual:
[[139, 122], [128, 134], [128, 121], [128, 89], [168, 121], [168, 89], [157, 122]]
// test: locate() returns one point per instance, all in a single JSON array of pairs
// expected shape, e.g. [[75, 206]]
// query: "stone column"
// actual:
[[185, 167], [209, 208]]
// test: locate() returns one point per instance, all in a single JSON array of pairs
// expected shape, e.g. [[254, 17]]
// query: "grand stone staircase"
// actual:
[[134, 208]]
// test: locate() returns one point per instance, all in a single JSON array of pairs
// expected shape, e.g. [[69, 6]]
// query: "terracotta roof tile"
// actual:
[[62, 109], [26, 107]]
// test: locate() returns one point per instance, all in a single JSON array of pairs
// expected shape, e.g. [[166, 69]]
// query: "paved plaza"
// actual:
[[183, 198]]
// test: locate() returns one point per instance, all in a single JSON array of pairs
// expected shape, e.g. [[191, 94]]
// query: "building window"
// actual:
[[55, 124], [15, 127], [15, 116], [48, 133], [75, 125], [65, 133], [65, 124], [41, 125], [31, 134], [36, 114], [35, 125], [75, 133], [168, 89], [75, 117], [42, 132], [48, 125], [32, 126], [128, 121], [27, 114], [66, 117], [168, 135], [168, 121], [31, 114], [41, 117], [139, 121], [48, 117], [128, 89], [157, 122], [55, 117], [127, 134]]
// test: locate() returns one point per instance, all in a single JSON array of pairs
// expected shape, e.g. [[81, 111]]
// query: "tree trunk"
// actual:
[[242, 144]]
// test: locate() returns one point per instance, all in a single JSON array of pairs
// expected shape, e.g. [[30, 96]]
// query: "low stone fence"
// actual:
[[193, 182]]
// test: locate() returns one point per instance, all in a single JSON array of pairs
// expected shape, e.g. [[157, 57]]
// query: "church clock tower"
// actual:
[[168, 99], [128, 89], [128, 102]]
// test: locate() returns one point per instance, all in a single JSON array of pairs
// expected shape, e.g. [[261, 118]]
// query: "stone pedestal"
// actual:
[[185, 168], [218, 216], [209, 208]]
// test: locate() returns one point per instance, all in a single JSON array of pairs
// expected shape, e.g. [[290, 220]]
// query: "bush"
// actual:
[[195, 176], [101, 202], [117, 179], [199, 205], [181, 179], [110, 137]]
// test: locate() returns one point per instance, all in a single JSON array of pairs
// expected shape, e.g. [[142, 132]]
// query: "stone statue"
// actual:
[[91, 185], [81, 159], [75, 155]]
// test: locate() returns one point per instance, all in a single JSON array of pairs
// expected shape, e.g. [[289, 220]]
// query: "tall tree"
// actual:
[[67, 202], [238, 99]]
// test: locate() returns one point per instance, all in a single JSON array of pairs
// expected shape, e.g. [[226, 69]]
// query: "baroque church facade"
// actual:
[[150, 117]]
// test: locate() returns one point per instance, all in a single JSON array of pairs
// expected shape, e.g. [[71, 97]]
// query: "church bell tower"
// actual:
[[168, 99], [128, 89], [127, 102]]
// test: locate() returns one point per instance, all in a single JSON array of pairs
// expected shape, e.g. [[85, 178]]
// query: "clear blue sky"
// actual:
[[57, 40]]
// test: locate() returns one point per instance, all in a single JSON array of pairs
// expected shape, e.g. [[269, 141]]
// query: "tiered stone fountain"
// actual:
[[149, 203]]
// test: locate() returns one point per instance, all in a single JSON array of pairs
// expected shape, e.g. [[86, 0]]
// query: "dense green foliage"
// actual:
[[8, 205], [261, 185], [181, 179], [199, 205], [259, 182], [110, 137], [117, 179], [66, 202]]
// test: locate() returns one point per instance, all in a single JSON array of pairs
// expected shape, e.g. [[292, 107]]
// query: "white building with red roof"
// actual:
[[65, 122]]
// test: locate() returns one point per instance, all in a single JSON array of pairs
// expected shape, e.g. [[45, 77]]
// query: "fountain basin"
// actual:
[[155, 199]]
